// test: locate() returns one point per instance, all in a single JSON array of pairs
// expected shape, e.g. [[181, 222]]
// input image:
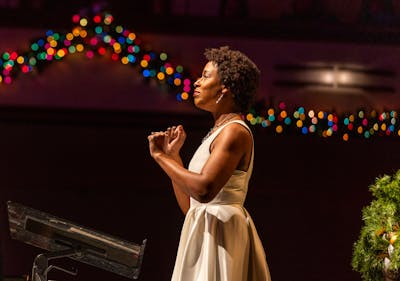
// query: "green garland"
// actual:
[[377, 250]]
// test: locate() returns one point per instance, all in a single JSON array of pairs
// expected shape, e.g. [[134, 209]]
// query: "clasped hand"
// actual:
[[168, 142]]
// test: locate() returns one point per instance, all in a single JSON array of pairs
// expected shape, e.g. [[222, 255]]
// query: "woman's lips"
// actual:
[[196, 93]]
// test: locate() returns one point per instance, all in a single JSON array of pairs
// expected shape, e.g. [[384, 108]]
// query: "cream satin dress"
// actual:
[[219, 241]]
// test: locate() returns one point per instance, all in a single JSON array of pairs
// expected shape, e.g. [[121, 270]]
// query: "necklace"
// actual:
[[227, 118]]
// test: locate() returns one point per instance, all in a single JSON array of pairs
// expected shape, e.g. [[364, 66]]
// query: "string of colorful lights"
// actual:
[[92, 35], [97, 34], [325, 124]]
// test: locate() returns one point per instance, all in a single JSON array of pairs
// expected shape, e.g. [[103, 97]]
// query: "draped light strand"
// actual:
[[325, 124], [98, 35]]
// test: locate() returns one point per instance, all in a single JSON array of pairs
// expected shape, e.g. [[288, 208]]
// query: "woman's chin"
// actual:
[[201, 104], [197, 102]]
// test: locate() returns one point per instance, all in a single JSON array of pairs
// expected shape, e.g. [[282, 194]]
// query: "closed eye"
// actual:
[[206, 74]]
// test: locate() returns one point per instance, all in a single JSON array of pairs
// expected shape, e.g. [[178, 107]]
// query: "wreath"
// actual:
[[376, 254]]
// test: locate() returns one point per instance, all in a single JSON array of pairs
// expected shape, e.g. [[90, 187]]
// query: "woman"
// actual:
[[218, 240]]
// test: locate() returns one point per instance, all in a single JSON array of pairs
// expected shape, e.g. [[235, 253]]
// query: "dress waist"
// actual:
[[218, 201], [223, 212]]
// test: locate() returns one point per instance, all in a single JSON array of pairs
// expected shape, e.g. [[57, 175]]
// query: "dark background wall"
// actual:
[[93, 168]]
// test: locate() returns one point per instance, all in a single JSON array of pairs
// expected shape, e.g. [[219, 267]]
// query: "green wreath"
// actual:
[[376, 254]]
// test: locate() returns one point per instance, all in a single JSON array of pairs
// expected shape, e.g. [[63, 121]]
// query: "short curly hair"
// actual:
[[237, 72]]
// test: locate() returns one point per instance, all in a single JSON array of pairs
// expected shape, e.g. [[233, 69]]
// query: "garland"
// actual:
[[377, 251], [95, 33]]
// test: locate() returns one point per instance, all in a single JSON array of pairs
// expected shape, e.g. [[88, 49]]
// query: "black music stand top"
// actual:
[[71, 240]]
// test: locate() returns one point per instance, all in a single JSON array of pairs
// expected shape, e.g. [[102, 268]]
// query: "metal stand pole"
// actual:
[[41, 266]]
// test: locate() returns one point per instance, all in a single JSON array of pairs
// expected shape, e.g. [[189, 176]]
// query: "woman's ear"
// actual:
[[224, 90]]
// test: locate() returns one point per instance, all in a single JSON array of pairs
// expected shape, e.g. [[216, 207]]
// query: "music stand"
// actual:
[[63, 238]]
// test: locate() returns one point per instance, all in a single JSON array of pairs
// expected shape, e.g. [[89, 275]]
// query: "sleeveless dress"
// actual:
[[219, 241]]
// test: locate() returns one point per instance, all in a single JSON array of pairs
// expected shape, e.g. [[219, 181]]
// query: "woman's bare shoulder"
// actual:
[[235, 134]]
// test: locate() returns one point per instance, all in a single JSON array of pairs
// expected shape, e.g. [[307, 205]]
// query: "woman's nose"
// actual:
[[197, 82]]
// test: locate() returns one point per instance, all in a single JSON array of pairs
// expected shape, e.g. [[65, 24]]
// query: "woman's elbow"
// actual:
[[205, 194]]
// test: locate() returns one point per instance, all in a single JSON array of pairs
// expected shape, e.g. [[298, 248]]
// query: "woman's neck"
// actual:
[[225, 118]]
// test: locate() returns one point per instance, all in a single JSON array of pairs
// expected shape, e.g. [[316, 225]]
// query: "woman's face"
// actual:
[[207, 88]]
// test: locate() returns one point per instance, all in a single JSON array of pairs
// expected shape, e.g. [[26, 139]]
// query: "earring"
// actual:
[[219, 99]]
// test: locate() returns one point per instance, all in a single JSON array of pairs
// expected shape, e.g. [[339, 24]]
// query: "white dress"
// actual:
[[219, 241]]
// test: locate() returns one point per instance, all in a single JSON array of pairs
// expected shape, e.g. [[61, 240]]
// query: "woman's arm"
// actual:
[[174, 138], [181, 197], [228, 150]]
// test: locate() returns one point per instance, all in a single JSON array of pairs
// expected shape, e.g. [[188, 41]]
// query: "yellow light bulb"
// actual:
[[80, 47], [393, 238], [160, 76], [144, 63], [185, 96], [124, 60]]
